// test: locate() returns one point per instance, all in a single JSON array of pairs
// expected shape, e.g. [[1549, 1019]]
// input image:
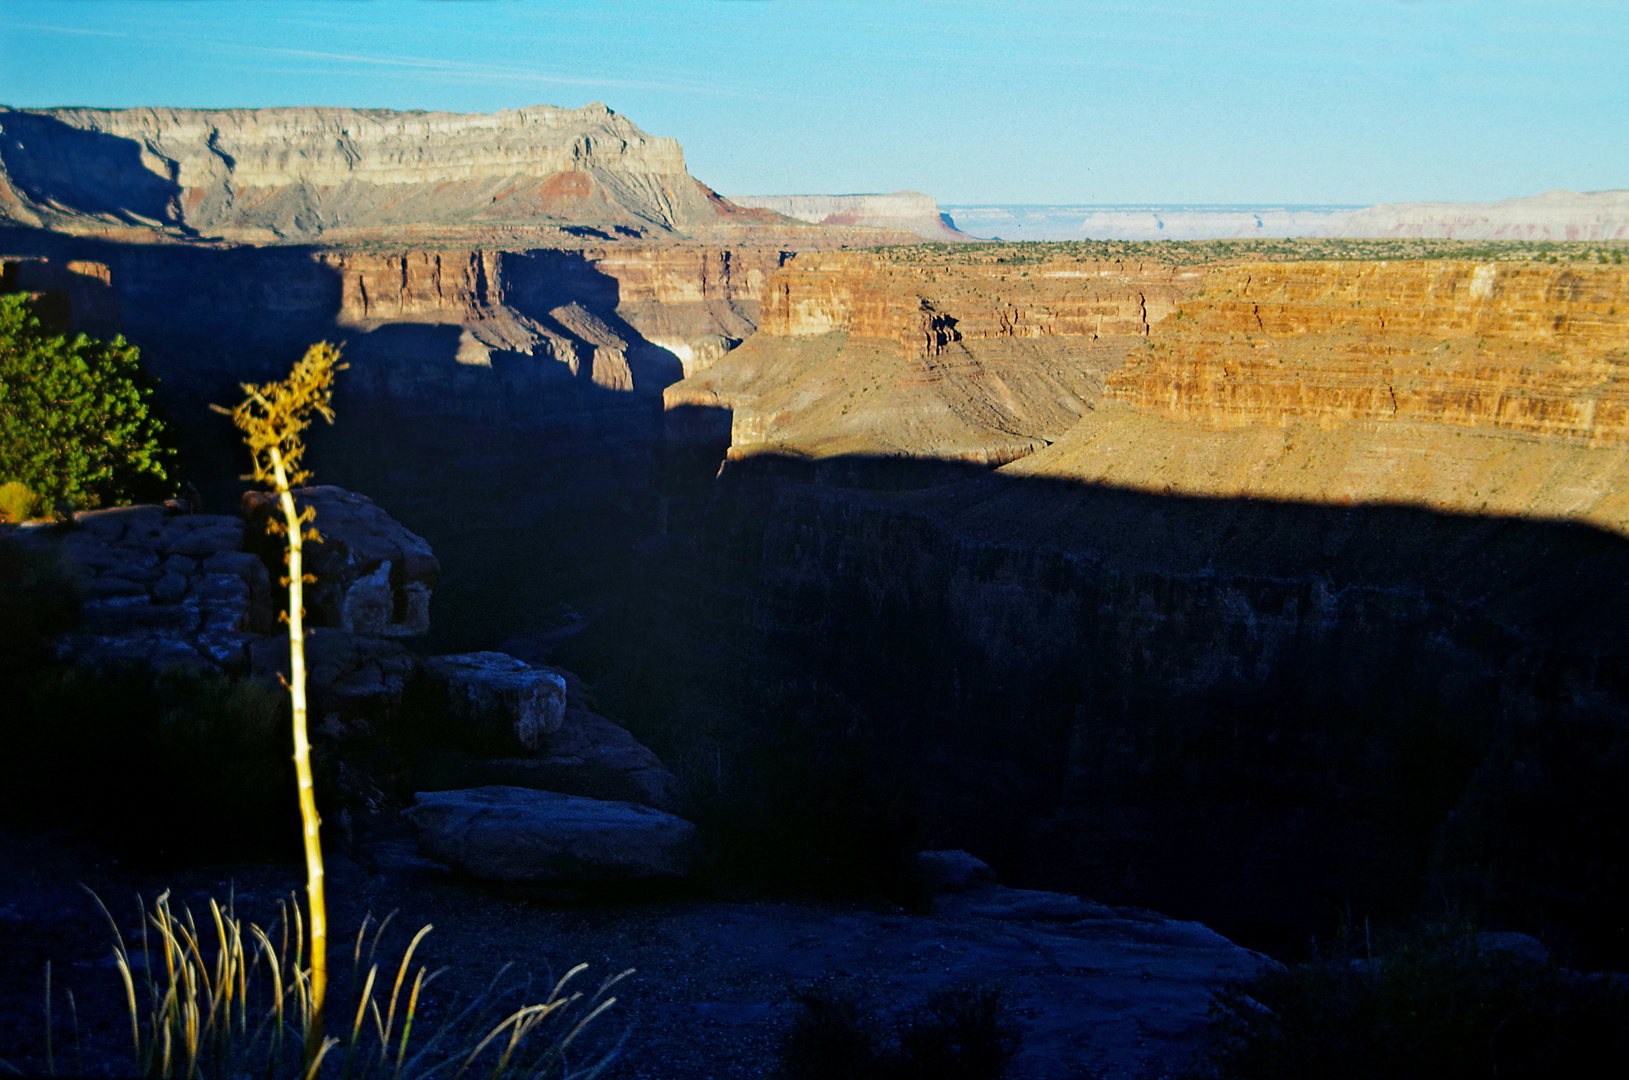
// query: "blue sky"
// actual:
[[1233, 101]]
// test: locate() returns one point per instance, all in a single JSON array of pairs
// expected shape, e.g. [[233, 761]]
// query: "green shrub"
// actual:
[[17, 503], [960, 1033], [1432, 1008], [77, 425]]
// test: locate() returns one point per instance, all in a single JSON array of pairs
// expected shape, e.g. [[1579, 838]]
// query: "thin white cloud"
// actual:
[[448, 70]]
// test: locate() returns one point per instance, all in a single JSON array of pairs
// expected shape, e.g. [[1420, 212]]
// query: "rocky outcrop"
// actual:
[[500, 699], [904, 211], [374, 576], [165, 588], [588, 756], [513, 834]]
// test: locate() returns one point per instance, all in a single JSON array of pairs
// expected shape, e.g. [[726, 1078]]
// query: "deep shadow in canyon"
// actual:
[[1276, 718]]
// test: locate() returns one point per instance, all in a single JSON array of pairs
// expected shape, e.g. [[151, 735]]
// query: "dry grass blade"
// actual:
[[225, 1007]]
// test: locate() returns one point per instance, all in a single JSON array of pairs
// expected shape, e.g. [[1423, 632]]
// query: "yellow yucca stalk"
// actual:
[[273, 419]]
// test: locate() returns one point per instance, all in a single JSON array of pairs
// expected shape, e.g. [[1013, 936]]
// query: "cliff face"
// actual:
[[1195, 591], [926, 305], [966, 359], [538, 174], [690, 302], [1447, 383]]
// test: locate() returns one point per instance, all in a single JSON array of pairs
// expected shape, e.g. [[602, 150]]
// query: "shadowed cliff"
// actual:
[[1269, 716]]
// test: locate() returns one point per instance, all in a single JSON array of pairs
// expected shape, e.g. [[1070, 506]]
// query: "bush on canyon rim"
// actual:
[[77, 425]]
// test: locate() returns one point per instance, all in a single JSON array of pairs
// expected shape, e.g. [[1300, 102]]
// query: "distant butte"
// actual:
[[536, 176], [908, 211]]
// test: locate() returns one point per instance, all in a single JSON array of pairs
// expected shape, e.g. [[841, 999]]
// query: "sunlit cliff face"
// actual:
[[1493, 387]]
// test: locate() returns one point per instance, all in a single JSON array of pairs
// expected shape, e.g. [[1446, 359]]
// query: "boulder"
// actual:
[[502, 700], [374, 576], [952, 871], [1024, 905], [354, 682], [650, 784], [1523, 947], [513, 834]]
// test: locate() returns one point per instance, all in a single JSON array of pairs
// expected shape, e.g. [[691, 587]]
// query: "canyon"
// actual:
[[1268, 593], [1247, 524], [1162, 525]]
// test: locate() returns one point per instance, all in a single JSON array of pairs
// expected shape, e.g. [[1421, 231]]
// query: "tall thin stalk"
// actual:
[[273, 419]]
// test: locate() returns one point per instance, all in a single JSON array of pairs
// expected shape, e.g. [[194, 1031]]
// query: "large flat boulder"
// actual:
[[513, 834]]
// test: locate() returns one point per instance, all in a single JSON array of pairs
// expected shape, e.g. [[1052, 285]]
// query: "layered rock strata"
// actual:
[[269, 175], [537, 176], [968, 359], [1204, 574]]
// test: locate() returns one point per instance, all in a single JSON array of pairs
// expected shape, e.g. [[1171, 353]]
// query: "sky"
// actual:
[[1257, 102]]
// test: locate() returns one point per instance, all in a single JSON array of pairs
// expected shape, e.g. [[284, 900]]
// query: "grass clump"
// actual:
[[220, 997], [960, 1033], [1433, 1007]]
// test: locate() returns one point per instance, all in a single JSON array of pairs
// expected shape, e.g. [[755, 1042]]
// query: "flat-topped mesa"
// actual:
[[1532, 349], [906, 211], [297, 173], [881, 297], [1554, 215]]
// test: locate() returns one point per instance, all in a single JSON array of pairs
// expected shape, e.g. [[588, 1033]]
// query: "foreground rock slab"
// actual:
[[512, 834]]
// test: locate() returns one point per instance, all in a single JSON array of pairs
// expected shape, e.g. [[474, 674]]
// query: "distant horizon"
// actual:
[[1017, 102]]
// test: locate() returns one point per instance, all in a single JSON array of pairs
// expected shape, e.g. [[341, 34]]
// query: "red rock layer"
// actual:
[[1535, 349], [926, 306]]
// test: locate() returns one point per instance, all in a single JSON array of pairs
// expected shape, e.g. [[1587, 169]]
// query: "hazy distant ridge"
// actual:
[[1554, 215]]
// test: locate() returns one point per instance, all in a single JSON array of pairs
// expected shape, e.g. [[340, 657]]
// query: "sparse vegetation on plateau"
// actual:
[[1199, 252]]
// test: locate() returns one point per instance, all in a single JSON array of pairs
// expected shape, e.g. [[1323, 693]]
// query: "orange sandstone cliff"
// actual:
[[1496, 386]]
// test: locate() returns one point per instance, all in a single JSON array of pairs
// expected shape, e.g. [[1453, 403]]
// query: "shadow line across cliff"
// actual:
[[1270, 716], [531, 479]]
